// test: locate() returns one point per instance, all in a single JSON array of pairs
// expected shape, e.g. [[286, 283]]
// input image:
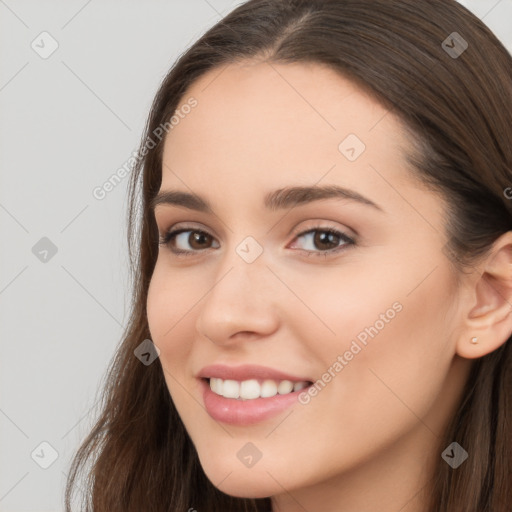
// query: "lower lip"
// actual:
[[245, 412]]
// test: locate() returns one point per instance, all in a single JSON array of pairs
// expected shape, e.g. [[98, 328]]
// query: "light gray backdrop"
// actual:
[[76, 82]]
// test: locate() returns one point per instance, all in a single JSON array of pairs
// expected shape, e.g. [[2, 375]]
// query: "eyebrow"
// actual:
[[276, 200]]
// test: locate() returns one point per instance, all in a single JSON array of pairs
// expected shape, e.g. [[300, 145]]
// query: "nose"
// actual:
[[241, 303]]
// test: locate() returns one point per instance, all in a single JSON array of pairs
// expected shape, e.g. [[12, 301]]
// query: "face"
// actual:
[[352, 293]]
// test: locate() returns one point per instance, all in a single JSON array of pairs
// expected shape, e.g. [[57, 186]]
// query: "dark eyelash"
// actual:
[[323, 229], [170, 235]]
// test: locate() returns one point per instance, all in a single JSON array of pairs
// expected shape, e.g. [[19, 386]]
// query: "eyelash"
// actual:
[[169, 236]]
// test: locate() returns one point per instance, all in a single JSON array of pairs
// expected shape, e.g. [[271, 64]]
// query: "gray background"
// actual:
[[68, 122]]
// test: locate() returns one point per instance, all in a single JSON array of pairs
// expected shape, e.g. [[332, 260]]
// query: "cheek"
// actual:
[[383, 344], [169, 313], [170, 320]]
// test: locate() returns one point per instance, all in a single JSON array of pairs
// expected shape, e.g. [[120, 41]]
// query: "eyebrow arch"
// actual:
[[278, 199]]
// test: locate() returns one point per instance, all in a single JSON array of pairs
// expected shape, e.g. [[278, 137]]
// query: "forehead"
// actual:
[[268, 121]]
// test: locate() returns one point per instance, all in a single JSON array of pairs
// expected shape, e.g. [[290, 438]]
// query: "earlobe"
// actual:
[[488, 322]]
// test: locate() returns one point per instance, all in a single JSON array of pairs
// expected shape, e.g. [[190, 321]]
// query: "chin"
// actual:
[[244, 491], [242, 482]]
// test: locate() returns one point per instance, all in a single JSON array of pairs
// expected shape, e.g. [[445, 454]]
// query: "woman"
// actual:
[[323, 268]]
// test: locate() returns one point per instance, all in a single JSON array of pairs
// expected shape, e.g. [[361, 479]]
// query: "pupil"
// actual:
[[325, 237], [199, 237], [322, 237]]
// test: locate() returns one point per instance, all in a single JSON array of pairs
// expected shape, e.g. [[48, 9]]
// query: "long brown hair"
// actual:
[[458, 109]]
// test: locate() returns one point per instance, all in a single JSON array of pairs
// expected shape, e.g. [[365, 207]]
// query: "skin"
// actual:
[[369, 439]]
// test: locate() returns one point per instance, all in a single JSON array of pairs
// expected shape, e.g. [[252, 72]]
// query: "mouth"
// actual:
[[251, 401], [250, 393], [252, 389]]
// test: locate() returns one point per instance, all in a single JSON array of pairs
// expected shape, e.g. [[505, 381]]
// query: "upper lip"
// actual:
[[246, 372]]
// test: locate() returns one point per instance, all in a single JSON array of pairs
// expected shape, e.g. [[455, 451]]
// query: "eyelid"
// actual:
[[319, 224], [345, 239], [316, 224]]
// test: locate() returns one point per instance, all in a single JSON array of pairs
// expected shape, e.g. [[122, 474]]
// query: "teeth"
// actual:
[[285, 386], [300, 385], [230, 389], [252, 388], [268, 389]]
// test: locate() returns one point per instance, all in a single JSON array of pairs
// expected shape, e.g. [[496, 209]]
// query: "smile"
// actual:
[[254, 388], [237, 410]]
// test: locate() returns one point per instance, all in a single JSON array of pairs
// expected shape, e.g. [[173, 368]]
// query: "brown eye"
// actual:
[[322, 241], [198, 239], [187, 241], [325, 240]]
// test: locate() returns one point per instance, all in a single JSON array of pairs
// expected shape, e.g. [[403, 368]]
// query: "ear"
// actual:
[[488, 316]]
